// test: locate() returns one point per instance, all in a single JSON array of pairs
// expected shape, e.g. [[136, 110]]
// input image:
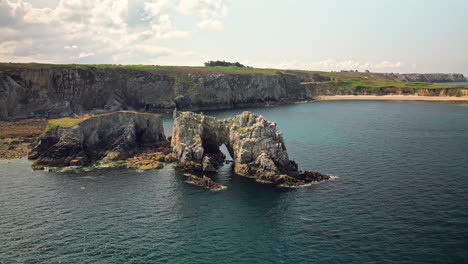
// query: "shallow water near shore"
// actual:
[[400, 196]]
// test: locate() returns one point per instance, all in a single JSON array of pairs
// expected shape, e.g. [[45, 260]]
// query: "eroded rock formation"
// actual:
[[107, 137], [257, 148], [58, 91]]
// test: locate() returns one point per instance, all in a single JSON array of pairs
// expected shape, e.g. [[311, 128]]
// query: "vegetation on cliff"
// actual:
[[107, 137], [45, 90], [223, 63], [350, 81], [353, 82], [65, 122]]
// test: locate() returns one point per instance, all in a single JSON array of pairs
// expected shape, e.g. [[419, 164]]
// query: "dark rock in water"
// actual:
[[136, 140], [204, 182], [281, 180], [256, 146], [107, 137], [310, 176]]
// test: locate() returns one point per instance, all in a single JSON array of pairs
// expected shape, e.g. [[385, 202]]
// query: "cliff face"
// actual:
[[425, 77], [55, 91], [63, 91], [257, 148], [106, 137], [253, 142]]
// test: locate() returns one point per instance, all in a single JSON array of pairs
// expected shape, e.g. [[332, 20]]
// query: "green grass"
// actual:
[[157, 68], [64, 122], [186, 81], [340, 81], [243, 130], [354, 80]]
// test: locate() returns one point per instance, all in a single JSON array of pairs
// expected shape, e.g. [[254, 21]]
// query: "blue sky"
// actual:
[[379, 35]]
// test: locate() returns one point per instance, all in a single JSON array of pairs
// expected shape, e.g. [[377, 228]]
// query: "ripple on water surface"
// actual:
[[400, 197]]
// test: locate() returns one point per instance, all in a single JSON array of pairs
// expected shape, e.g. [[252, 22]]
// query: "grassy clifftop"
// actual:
[[335, 81], [356, 80], [170, 70]]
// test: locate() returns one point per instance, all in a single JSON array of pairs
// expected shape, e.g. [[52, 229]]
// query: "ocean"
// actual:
[[399, 195]]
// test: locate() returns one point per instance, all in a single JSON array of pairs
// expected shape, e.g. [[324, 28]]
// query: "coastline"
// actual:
[[447, 99], [17, 137]]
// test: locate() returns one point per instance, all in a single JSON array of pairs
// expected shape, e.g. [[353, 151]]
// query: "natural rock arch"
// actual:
[[255, 145]]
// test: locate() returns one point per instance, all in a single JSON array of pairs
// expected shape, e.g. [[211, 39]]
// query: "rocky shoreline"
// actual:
[[51, 91], [17, 137], [137, 140]]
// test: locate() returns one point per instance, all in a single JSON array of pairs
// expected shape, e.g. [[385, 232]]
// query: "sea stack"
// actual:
[[257, 148], [106, 137]]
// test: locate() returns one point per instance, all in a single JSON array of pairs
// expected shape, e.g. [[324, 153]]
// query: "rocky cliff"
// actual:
[[106, 137], [63, 91], [60, 90], [425, 77], [257, 148]]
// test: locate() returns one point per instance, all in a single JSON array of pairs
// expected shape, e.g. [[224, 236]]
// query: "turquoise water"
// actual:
[[401, 196]]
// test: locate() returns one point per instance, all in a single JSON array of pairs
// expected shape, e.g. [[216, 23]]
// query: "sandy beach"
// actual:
[[450, 99]]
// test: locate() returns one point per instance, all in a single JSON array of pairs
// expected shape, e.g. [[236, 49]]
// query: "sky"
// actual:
[[379, 35]]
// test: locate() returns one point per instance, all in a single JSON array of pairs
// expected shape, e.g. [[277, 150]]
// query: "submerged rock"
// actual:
[[108, 137], [257, 148], [204, 182], [136, 140]]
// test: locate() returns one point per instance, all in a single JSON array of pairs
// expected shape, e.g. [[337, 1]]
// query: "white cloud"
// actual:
[[70, 47], [332, 65], [213, 8], [85, 54], [210, 11], [210, 24], [106, 30]]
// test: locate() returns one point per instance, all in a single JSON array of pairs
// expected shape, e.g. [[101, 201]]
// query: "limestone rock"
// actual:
[[57, 91], [196, 139], [107, 137], [257, 148]]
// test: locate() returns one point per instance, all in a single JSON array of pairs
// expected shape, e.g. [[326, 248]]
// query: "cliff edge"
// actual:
[[107, 137]]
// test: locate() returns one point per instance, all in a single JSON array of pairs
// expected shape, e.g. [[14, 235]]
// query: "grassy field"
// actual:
[[66, 122], [170, 70], [338, 81]]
